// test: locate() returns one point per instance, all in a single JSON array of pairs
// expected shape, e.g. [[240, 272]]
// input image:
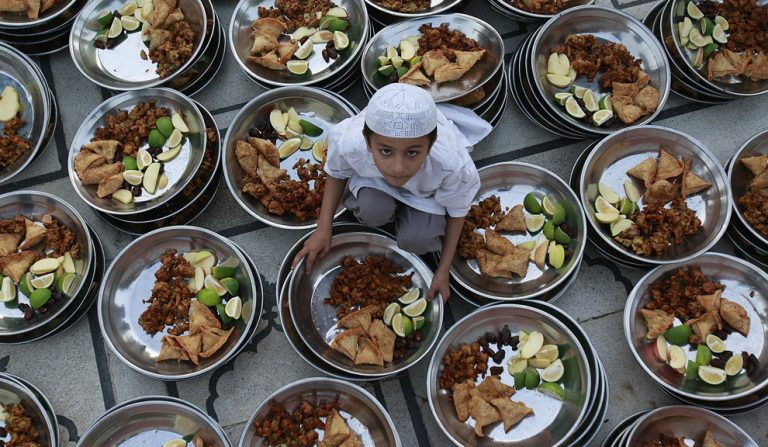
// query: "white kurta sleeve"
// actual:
[[458, 191], [336, 164]]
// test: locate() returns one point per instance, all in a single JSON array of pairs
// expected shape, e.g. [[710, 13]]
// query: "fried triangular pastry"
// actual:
[[267, 149], [467, 59], [514, 220], [735, 315], [756, 164], [414, 76], [661, 192], [668, 166], [336, 429], [710, 302], [491, 387], [511, 412], [482, 412], [268, 172], [200, 316], [658, 321], [190, 344], [498, 243], [170, 350], [346, 342], [34, 235], [368, 353], [645, 171], [213, 340], [360, 318], [692, 183], [461, 400], [384, 339]]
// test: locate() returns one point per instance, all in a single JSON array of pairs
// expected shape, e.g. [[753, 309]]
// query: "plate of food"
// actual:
[[331, 412], [520, 239], [120, 45], [217, 300], [719, 42], [685, 425], [25, 420], [274, 153], [412, 8], [363, 308], [286, 43], [528, 384], [157, 421], [450, 55], [45, 257], [638, 181], [137, 150], [746, 173], [20, 15], [568, 58], [696, 327], [25, 112], [540, 10]]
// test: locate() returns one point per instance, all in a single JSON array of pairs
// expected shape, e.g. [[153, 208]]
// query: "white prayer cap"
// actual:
[[401, 111]]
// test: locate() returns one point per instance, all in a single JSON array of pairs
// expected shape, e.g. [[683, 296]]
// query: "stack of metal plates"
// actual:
[[688, 424], [46, 33], [364, 415], [690, 77], [511, 182], [481, 89], [748, 240], [742, 390], [81, 293], [154, 420], [126, 66], [515, 11], [15, 390], [383, 16], [536, 96], [37, 109], [608, 161], [194, 174], [571, 416], [324, 71], [132, 274]]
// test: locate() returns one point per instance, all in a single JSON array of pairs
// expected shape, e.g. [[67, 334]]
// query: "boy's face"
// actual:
[[398, 159]]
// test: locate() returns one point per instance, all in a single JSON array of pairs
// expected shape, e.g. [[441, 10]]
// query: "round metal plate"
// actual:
[[739, 177], [745, 285], [12, 392], [613, 156], [42, 399], [319, 106], [507, 8], [435, 7], [554, 420], [316, 321], [607, 25], [511, 181], [364, 414], [130, 279], [485, 35], [180, 170], [15, 21]]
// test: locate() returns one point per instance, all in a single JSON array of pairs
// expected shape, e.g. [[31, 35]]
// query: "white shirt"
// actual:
[[447, 181]]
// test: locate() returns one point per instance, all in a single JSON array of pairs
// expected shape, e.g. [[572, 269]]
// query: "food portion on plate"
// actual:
[[496, 254], [727, 38], [690, 321], [480, 396], [625, 87], [320, 425], [380, 313], [652, 230], [12, 145], [39, 263], [17, 428], [186, 288], [436, 55], [168, 36], [754, 202], [274, 141], [405, 6], [31, 8], [547, 7], [667, 440], [127, 157], [287, 34]]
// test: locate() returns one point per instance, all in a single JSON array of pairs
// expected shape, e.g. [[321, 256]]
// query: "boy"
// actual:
[[406, 162]]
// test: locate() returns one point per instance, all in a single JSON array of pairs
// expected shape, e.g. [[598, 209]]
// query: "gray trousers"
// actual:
[[417, 232]]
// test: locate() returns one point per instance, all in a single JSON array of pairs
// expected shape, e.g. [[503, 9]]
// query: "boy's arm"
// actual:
[[319, 243], [440, 282]]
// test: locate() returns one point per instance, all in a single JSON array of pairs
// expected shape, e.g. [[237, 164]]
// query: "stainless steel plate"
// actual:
[[18, 71], [554, 420], [435, 7], [130, 279], [42, 399], [739, 177], [34, 205], [613, 156], [240, 42], [744, 284], [151, 422], [485, 35], [180, 170], [316, 321], [509, 8], [318, 106], [607, 25], [364, 414], [122, 67], [12, 392], [17, 21], [511, 181], [689, 422]]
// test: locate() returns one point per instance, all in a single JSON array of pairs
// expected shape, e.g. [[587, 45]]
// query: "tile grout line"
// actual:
[[417, 418], [102, 361]]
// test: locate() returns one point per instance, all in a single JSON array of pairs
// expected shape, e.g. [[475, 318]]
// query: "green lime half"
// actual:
[[130, 163], [209, 297], [221, 309], [558, 216], [165, 125], [231, 284], [156, 138], [221, 272], [532, 378], [703, 355], [549, 230], [552, 389], [416, 308], [310, 129], [410, 296], [561, 237], [64, 283], [386, 70], [39, 297], [105, 18], [25, 285], [402, 325], [418, 322], [298, 68], [692, 371], [678, 335], [531, 204]]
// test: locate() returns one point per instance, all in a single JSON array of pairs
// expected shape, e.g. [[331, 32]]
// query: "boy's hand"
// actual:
[[440, 284], [317, 246]]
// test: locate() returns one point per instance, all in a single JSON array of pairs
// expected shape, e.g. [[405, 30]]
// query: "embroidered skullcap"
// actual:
[[401, 111]]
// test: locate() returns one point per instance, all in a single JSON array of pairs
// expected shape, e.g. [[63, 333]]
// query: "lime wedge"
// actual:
[[709, 49], [603, 206], [601, 116], [607, 218], [221, 309], [123, 196], [165, 125], [178, 122], [390, 312], [306, 144], [578, 91], [715, 343], [169, 155], [215, 285], [304, 50], [234, 307], [516, 365], [149, 182], [310, 129], [734, 364], [532, 378], [703, 355], [531, 203], [128, 9], [559, 215], [39, 297], [175, 138], [129, 163], [548, 206], [288, 147], [607, 193], [64, 283], [402, 325], [418, 322], [7, 290], [222, 271], [549, 230], [720, 20], [693, 11], [45, 265], [209, 297], [156, 138], [573, 108], [534, 223], [337, 25], [337, 12], [558, 80], [25, 285], [552, 389], [383, 60], [718, 33], [712, 375], [43, 282], [340, 40], [115, 29], [318, 151], [130, 23], [133, 177], [416, 308], [561, 237], [231, 284], [697, 38], [410, 296], [298, 67], [175, 443], [548, 352], [591, 101], [706, 25], [553, 372], [528, 245], [105, 18], [605, 102], [685, 27], [561, 97]]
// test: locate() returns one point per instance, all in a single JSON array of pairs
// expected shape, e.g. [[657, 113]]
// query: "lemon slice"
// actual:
[[558, 80], [390, 312], [178, 122], [143, 159], [289, 147], [712, 375], [601, 116], [7, 290], [416, 308], [604, 218], [304, 50], [720, 20], [548, 352], [43, 282], [516, 365], [115, 29], [410, 296], [130, 23], [340, 40], [402, 325], [734, 364], [298, 67], [213, 283], [578, 91], [693, 11], [561, 97], [553, 372], [175, 138], [605, 102], [234, 307], [573, 108], [64, 282], [532, 345], [715, 344], [549, 206], [175, 443], [534, 223], [718, 34], [591, 101], [133, 177], [602, 205]]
